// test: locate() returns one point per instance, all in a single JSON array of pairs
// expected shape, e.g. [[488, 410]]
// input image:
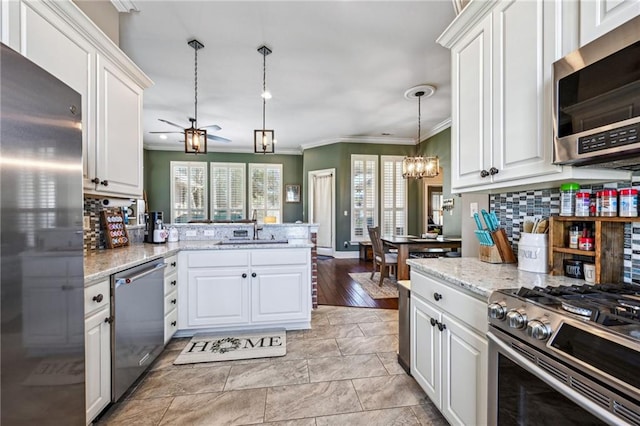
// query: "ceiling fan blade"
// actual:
[[166, 132], [170, 123], [215, 127], [218, 138]]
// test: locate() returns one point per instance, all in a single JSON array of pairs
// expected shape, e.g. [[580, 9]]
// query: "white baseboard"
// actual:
[[346, 254]]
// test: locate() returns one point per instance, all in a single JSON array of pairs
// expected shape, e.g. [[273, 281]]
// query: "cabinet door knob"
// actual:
[[484, 174], [173, 323], [441, 326], [98, 298], [433, 322], [95, 180], [254, 275], [108, 320], [244, 275], [104, 183], [174, 282], [173, 301], [173, 264], [493, 171], [437, 296]]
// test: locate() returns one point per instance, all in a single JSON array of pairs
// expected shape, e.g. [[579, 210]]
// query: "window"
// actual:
[[228, 191], [188, 191], [265, 186], [394, 197], [364, 202]]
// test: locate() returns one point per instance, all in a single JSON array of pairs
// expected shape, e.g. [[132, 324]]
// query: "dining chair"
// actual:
[[387, 262]]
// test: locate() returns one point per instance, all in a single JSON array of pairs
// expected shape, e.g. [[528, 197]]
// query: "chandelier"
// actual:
[[195, 140], [417, 166], [264, 140]]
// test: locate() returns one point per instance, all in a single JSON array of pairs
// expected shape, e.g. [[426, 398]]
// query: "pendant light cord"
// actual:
[[196, 88], [264, 88]]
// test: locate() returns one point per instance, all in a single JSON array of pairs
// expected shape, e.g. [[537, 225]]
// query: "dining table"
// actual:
[[407, 243]]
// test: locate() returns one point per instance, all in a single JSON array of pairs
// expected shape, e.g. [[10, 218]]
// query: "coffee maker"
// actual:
[[154, 231]]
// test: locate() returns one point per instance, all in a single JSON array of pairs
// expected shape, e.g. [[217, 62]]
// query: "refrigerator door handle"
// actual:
[[129, 280]]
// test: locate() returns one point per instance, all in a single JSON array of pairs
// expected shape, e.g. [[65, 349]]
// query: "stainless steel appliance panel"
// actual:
[[404, 328], [138, 328], [42, 285]]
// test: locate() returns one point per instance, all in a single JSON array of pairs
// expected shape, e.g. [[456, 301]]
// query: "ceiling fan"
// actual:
[[215, 127]]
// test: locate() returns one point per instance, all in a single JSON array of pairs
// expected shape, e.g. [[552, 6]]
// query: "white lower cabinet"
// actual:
[[254, 288], [448, 349], [97, 335], [170, 297]]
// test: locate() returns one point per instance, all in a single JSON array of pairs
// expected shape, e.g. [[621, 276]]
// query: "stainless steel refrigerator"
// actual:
[[42, 284]]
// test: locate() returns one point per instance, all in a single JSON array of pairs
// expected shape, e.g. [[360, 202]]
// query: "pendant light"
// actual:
[[264, 140], [417, 167], [195, 140]]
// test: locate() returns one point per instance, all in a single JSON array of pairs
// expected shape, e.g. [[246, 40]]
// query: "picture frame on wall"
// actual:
[[292, 193]]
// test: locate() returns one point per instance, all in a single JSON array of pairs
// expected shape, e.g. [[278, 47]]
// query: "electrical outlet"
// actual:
[[474, 208], [209, 233], [346, 213], [86, 223], [191, 233]]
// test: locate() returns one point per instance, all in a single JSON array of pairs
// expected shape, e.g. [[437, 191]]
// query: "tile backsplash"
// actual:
[[94, 237], [513, 207]]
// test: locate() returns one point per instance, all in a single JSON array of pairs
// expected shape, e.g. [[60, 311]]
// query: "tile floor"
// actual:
[[341, 372]]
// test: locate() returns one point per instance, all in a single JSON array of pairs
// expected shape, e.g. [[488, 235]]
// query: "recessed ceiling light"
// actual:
[[163, 136]]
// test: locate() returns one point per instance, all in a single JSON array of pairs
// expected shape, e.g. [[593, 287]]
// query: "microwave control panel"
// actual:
[[610, 139]]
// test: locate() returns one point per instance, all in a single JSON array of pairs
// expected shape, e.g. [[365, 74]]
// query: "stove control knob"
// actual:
[[497, 310], [538, 329], [517, 318]]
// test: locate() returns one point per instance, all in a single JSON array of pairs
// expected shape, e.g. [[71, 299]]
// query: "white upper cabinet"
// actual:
[[598, 17], [502, 56], [61, 39]]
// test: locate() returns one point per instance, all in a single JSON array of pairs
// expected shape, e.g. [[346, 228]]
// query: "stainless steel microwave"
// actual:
[[596, 102]]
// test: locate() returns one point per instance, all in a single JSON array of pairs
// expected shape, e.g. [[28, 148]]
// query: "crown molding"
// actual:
[[472, 13], [125, 6], [360, 139], [443, 125]]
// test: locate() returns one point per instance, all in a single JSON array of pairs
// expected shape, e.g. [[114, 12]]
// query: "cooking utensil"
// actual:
[[491, 224], [478, 223]]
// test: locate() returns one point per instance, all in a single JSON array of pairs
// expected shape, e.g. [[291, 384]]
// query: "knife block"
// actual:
[[489, 254], [500, 251]]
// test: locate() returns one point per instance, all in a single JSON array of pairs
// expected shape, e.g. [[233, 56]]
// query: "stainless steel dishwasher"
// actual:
[[137, 306]]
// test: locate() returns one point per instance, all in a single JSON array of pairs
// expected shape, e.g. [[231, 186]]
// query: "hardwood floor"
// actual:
[[335, 286]]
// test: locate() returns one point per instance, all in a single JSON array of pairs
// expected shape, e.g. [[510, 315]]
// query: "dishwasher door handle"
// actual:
[[129, 280]]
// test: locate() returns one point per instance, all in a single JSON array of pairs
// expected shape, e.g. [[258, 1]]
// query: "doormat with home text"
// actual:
[[231, 346]]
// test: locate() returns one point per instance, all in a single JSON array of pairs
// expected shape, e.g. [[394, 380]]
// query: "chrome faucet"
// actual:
[[256, 229]]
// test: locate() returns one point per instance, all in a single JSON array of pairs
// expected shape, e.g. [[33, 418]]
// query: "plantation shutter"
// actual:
[[265, 198], [394, 197], [188, 191], [228, 191], [363, 195]]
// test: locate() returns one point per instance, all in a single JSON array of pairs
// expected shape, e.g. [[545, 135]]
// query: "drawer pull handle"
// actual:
[[174, 282], [244, 275], [173, 323], [173, 264], [437, 296], [98, 298], [441, 326], [173, 301], [433, 322], [254, 275]]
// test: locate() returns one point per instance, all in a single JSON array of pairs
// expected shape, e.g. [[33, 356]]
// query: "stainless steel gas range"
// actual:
[[565, 355]]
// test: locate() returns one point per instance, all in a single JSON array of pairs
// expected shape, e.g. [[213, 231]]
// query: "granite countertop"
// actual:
[[480, 279], [101, 264]]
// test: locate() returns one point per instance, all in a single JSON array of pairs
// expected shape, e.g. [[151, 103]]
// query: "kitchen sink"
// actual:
[[235, 241]]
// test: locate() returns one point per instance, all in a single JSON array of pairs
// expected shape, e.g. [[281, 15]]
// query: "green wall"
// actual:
[[157, 175], [440, 145]]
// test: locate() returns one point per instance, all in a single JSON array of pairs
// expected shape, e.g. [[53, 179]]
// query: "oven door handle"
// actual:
[[556, 384], [129, 280]]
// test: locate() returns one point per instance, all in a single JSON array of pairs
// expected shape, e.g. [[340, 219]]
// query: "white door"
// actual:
[[321, 209]]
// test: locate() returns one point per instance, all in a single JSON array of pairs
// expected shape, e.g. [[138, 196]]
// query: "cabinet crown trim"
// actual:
[[473, 13], [73, 15]]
